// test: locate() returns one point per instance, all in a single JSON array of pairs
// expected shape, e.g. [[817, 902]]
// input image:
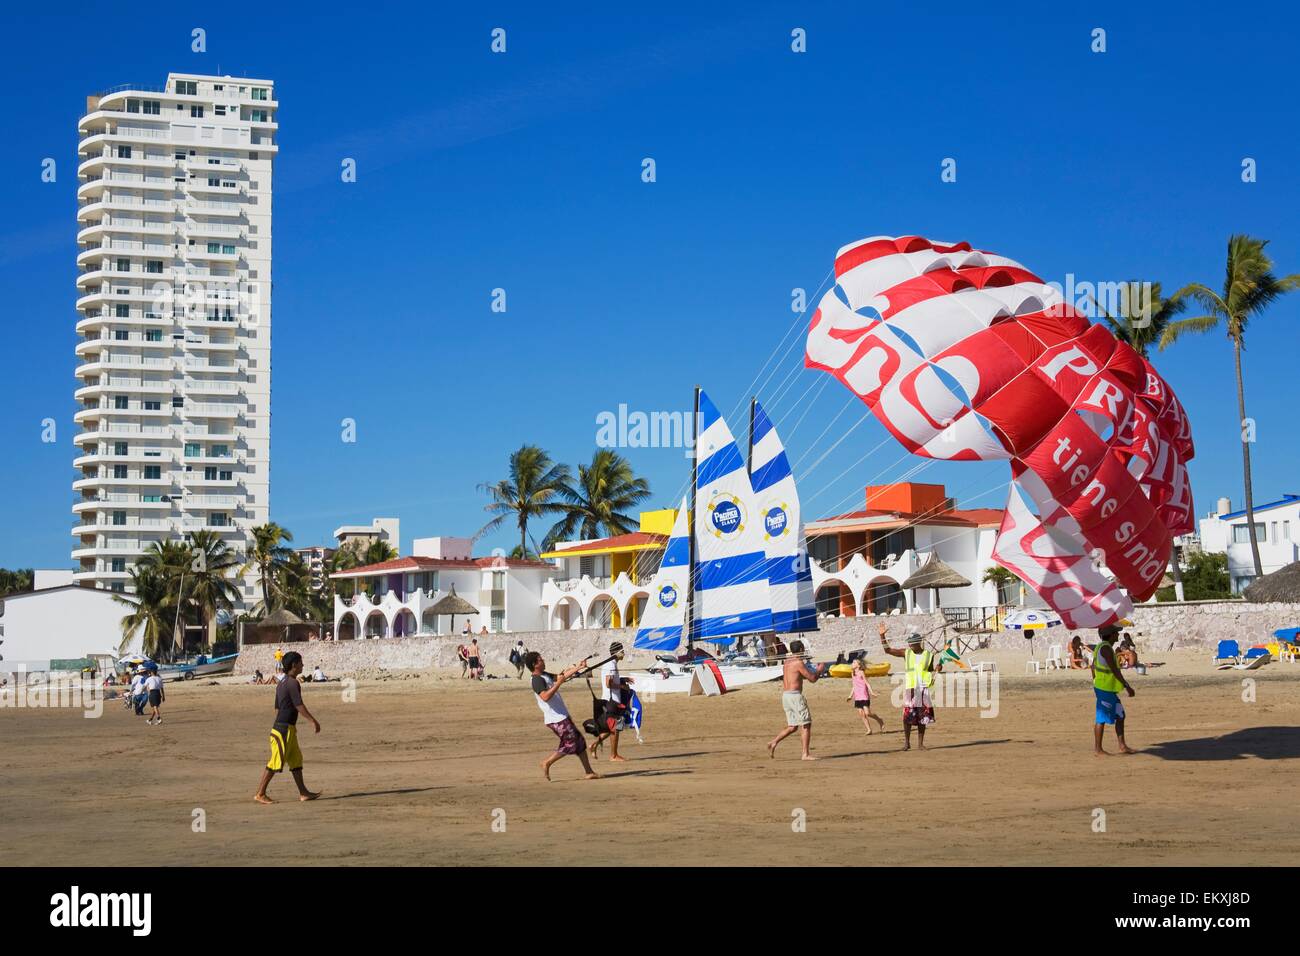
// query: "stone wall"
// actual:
[[1158, 626]]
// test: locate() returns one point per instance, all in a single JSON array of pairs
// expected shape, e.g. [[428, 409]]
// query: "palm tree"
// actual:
[[1249, 287], [536, 487], [597, 504], [1146, 315], [267, 557], [152, 606], [1000, 577], [208, 586], [15, 582], [170, 562], [377, 552]]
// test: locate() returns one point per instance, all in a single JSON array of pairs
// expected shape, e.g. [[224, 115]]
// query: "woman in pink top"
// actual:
[[862, 697]]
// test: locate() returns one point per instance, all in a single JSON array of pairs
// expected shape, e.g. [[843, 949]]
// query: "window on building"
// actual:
[[498, 622], [133, 106], [213, 246], [187, 88], [152, 472], [152, 406], [123, 265], [119, 448], [123, 152], [117, 565], [154, 267], [1286, 531], [210, 474], [121, 335], [192, 449], [122, 311], [498, 580], [225, 476], [153, 335], [219, 519], [119, 402], [220, 451], [196, 111], [259, 116], [152, 107], [1241, 533], [259, 93], [119, 518], [1273, 531]]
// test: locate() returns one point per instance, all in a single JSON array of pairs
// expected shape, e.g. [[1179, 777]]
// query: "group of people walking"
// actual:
[[147, 690]]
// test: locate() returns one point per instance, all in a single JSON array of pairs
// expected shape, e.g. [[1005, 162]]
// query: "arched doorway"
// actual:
[[601, 613], [882, 596], [635, 610], [835, 598], [404, 625], [376, 625], [567, 614], [347, 628]]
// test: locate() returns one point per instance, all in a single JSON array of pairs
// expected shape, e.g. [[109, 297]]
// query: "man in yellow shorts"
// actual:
[[284, 732]]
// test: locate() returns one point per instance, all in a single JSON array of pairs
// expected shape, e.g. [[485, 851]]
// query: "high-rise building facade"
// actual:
[[174, 298]]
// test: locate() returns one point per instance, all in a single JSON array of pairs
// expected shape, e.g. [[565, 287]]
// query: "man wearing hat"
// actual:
[[1107, 682], [918, 706]]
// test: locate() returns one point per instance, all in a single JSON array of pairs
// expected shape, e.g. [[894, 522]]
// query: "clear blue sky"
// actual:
[[522, 171]]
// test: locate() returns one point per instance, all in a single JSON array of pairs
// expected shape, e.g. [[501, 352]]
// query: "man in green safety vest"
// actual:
[[1107, 682], [920, 666]]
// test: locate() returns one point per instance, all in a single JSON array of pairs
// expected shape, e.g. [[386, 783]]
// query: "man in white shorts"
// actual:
[[797, 715]]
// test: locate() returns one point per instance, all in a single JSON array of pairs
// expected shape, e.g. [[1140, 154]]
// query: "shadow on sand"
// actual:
[[379, 793], [642, 773], [1266, 743], [899, 749]]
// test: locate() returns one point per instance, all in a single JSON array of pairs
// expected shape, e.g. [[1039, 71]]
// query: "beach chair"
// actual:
[[1054, 659], [1228, 652]]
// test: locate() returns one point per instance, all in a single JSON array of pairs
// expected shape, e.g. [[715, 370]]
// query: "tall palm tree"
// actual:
[[208, 584], [1249, 287], [152, 607], [1147, 313], [267, 557], [170, 561], [598, 502], [537, 487]]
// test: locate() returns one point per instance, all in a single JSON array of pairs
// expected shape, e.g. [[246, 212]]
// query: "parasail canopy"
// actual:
[[966, 355]]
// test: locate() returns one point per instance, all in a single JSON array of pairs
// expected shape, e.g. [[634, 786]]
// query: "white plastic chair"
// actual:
[[1033, 665], [1054, 659]]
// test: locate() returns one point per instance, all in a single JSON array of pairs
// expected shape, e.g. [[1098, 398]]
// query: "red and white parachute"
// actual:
[[967, 355]]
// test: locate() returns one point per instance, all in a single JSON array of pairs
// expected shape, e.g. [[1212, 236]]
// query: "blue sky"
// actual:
[[522, 171]]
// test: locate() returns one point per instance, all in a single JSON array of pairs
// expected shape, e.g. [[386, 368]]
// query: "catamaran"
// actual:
[[741, 569]]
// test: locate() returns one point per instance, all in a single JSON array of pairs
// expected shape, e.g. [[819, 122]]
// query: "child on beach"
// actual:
[[546, 688], [861, 697], [284, 732]]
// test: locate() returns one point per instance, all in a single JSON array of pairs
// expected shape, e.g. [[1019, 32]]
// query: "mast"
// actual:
[[690, 523]]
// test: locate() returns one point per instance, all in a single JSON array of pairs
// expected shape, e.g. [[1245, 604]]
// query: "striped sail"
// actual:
[[789, 575], [665, 608], [730, 594]]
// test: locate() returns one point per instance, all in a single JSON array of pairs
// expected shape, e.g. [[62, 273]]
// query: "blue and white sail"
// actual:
[[730, 595], [664, 619], [789, 573]]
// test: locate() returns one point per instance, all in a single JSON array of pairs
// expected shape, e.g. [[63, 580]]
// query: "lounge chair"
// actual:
[[1254, 663], [1228, 652]]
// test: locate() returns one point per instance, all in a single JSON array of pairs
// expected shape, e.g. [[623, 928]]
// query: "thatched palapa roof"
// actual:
[[935, 574], [1281, 586], [453, 604], [280, 618]]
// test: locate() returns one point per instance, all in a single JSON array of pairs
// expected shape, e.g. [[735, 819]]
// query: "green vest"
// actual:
[[918, 669], [1102, 678]]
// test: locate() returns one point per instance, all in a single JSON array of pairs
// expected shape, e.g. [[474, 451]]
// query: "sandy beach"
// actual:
[[418, 769]]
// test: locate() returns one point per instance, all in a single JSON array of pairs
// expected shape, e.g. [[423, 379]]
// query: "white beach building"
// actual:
[[62, 622], [1277, 531], [174, 308], [396, 598]]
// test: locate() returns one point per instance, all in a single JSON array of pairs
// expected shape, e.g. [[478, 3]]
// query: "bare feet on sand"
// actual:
[[262, 798], [309, 795], [1126, 749], [619, 759], [809, 757], [771, 750], [591, 776]]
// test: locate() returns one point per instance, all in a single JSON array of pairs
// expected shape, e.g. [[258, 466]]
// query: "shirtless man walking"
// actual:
[[797, 716]]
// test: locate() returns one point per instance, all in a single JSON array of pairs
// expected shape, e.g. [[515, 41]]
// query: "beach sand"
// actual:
[[418, 770]]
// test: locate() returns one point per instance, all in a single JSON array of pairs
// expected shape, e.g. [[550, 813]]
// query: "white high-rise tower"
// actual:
[[174, 213]]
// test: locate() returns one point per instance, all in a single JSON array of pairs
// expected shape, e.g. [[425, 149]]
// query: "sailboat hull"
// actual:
[[680, 678]]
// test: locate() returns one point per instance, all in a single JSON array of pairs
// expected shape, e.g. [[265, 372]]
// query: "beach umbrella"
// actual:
[[453, 604], [934, 574], [1030, 621], [1279, 587]]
